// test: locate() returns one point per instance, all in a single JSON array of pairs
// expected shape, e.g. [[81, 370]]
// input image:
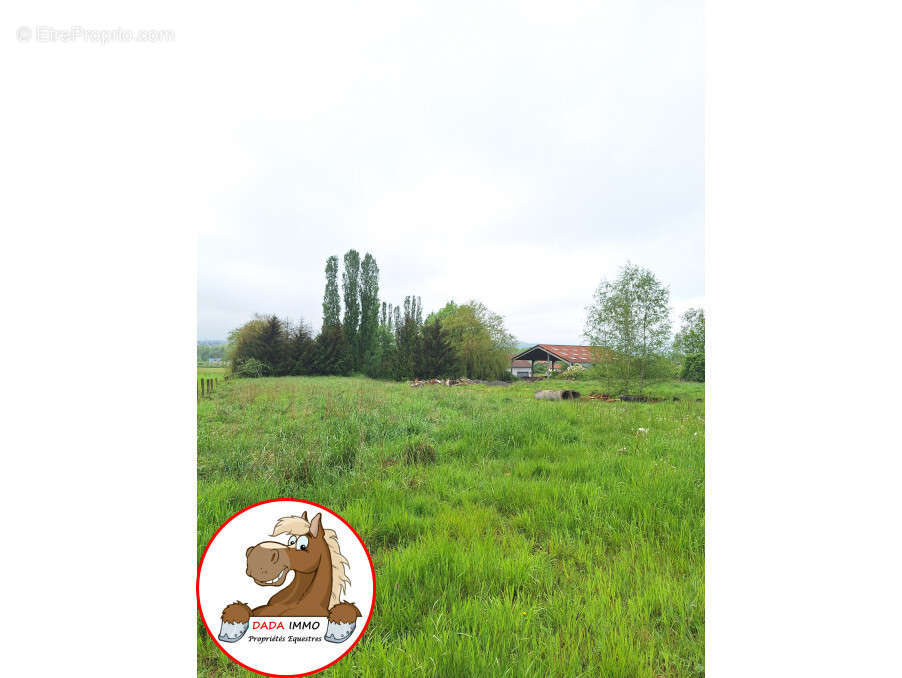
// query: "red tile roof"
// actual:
[[571, 352], [521, 363]]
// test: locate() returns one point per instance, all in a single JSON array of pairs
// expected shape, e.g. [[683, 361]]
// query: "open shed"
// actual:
[[567, 354]]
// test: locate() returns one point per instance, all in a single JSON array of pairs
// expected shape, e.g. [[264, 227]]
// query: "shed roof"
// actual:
[[570, 353]]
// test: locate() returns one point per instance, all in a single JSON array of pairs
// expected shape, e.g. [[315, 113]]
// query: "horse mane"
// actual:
[[298, 527]]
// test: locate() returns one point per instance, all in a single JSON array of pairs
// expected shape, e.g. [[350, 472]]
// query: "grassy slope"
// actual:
[[545, 539]]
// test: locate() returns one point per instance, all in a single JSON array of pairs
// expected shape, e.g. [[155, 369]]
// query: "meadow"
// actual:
[[510, 537], [212, 372]]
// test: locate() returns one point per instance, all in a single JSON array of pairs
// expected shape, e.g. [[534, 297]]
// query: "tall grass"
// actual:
[[511, 537]]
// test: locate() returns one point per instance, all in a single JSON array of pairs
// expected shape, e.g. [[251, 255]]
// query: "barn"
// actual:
[[556, 355]]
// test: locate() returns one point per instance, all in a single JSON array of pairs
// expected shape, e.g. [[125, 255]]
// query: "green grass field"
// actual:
[[511, 537], [212, 372]]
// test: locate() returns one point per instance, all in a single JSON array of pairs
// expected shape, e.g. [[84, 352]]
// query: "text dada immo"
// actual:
[[292, 625]]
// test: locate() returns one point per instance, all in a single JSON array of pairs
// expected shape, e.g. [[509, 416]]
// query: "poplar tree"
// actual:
[[369, 308], [350, 281], [331, 301]]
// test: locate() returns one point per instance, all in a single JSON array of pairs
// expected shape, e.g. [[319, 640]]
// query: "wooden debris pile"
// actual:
[[463, 381], [605, 397]]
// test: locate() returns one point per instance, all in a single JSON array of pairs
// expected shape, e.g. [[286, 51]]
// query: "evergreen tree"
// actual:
[[274, 344], [331, 301], [331, 352], [350, 280], [300, 349], [436, 358], [407, 341]]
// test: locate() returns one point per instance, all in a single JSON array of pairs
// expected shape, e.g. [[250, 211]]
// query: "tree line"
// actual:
[[628, 323], [207, 350], [361, 334]]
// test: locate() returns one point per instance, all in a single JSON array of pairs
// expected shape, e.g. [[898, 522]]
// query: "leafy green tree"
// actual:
[[369, 310], [630, 316], [331, 301], [246, 342], [350, 285], [693, 367], [482, 345], [443, 313], [691, 337]]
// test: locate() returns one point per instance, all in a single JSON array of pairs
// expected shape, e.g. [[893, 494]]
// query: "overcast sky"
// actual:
[[516, 154]]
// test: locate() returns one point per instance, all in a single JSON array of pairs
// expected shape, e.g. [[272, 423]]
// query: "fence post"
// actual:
[[203, 391]]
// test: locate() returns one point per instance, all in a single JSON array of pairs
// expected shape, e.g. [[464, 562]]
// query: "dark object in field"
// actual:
[[699, 400], [557, 395], [675, 399], [634, 398]]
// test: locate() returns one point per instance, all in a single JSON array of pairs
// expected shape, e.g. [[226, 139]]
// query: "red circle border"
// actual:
[[201, 611]]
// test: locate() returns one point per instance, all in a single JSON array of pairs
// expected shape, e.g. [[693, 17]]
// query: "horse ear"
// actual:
[[304, 516], [315, 527]]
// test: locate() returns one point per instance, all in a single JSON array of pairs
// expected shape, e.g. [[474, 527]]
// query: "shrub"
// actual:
[[253, 368], [575, 372], [694, 367]]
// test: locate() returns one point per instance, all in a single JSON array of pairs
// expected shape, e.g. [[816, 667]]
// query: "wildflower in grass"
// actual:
[[642, 431]]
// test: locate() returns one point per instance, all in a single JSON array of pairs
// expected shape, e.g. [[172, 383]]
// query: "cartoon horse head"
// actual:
[[269, 562]]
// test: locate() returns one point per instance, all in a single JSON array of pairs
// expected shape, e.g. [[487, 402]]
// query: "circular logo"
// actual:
[[286, 587]]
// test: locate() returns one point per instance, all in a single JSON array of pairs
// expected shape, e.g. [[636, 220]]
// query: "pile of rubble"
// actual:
[[627, 398], [463, 381]]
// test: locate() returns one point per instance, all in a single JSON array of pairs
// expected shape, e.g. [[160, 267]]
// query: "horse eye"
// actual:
[[302, 543], [291, 540]]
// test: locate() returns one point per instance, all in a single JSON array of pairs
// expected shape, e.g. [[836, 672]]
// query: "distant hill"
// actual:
[[523, 344], [211, 342]]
